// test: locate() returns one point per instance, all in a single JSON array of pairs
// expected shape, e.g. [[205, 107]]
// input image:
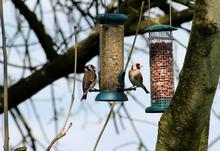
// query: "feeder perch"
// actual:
[[111, 53], [161, 67]]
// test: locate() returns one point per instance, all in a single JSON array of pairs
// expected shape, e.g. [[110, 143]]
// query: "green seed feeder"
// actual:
[[161, 67], [111, 53]]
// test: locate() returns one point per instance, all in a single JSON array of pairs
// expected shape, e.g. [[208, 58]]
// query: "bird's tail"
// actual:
[[84, 96], [145, 89]]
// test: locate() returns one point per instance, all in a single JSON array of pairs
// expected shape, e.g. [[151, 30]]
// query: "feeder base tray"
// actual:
[[111, 96], [156, 109]]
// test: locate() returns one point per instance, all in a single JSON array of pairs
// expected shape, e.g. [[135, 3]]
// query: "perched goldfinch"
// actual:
[[135, 76], [89, 80]]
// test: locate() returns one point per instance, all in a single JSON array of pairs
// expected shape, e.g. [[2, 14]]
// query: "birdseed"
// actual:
[[111, 56]]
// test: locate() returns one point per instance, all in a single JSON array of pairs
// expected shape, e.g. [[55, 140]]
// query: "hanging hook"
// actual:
[[170, 9]]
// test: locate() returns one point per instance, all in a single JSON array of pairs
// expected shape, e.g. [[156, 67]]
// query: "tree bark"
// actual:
[[184, 126]]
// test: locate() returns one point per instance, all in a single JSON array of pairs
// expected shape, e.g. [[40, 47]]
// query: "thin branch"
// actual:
[[44, 38], [6, 127], [64, 130], [54, 110], [139, 120], [124, 145], [180, 43], [38, 120], [27, 128], [21, 149], [120, 119], [19, 127], [104, 126], [61, 134], [136, 100], [135, 129], [115, 122], [137, 30]]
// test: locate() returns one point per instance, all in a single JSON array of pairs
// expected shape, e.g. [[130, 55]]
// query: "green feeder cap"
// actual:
[[160, 27], [111, 18], [111, 96]]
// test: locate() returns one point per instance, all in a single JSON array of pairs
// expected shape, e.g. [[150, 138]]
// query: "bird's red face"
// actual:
[[138, 65]]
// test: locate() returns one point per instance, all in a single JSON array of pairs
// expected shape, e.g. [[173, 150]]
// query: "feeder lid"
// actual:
[[160, 27], [111, 17]]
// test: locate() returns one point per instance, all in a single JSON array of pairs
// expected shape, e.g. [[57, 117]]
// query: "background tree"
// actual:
[[41, 51]]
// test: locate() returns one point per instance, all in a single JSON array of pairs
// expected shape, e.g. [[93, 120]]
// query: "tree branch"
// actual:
[[43, 37], [57, 68]]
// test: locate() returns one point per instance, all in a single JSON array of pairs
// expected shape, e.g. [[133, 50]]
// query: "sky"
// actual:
[[88, 117]]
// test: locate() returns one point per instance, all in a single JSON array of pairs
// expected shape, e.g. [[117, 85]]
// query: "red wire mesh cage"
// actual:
[[161, 67]]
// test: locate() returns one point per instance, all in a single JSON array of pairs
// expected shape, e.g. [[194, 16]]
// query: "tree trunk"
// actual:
[[184, 126]]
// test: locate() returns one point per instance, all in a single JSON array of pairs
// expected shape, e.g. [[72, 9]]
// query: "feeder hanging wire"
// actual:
[[170, 9], [148, 13]]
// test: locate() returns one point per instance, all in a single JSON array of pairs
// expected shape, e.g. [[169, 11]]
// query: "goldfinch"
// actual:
[[135, 76], [89, 80]]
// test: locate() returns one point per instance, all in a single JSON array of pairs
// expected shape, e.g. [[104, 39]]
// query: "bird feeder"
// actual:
[[161, 67], [111, 53]]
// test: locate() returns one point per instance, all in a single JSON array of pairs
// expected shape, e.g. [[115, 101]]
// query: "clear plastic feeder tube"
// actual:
[[111, 57]]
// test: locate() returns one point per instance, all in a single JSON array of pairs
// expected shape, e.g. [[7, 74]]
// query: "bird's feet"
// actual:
[[130, 88], [94, 90]]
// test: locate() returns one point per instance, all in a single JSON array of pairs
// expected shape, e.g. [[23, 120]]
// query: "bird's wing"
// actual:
[[139, 77], [88, 83]]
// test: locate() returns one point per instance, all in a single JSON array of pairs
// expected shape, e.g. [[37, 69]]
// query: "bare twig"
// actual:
[[21, 149], [6, 128], [37, 26], [180, 43], [54, 111], [61, 134], [104, 126], [141, 145], [140, 120], [38, 120], [137, 30], [19, 127], [27, 127], [136, 100], [115, 123], [64, 130], [124, 145]]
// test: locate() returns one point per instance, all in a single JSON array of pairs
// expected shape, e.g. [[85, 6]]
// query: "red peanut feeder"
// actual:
[[161, 67]]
